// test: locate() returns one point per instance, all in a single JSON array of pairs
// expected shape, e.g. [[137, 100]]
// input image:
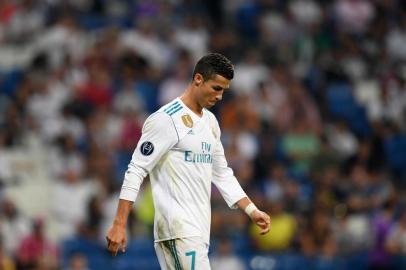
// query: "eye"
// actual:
[[217, 88]]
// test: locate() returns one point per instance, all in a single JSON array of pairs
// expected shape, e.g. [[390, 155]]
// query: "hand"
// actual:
[[116, 239], [262, 220]]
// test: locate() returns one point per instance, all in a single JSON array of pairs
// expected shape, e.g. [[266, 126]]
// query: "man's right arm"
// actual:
[[116, 236], [158, 137]]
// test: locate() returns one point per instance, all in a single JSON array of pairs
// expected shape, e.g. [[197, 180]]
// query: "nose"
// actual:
[[219, 96]]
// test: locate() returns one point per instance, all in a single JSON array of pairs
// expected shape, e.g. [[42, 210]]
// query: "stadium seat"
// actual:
[[340, 100], [9, 81], [358, 121], [141, 246], [137, 263], [357, 261], [395, 150], [342, 105]]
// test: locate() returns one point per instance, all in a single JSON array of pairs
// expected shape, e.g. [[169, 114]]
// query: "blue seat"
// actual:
[[357, 261], [294, 261], [121, 161], [340, 100], [143, 246], [358, 121], [329, 264], [10, 81], [137, 262], [342, 104], [399, 262], [395, 151], [96, 254]]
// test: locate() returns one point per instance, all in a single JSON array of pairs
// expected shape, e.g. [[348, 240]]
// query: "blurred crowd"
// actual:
[[314, 125]]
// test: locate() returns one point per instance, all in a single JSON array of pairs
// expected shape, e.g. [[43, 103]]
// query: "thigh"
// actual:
[[165, 259], [183, 254]]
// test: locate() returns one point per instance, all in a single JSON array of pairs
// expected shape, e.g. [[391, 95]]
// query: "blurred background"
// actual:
[[314, 127]]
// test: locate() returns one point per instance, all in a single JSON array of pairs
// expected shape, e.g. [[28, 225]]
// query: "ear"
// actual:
[[198, 79]]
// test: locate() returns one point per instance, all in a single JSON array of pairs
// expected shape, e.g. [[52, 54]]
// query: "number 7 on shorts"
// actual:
[[193, 254]]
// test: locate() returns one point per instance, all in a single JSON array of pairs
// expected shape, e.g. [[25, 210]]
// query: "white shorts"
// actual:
[[183, 254]]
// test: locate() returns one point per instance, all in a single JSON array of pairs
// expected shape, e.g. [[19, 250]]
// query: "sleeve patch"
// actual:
[[147, 148]]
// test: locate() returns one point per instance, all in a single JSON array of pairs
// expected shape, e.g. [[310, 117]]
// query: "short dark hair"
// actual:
[[214, 64]]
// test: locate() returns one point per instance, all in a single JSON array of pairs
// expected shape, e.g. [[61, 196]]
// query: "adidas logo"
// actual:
[[191, 132]]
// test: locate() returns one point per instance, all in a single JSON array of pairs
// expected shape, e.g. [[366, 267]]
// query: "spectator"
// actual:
[[284, 228], [317, 237], [396, 243], [77, 261], [35, 250], [6, 262], [14, 226], [249, 73], [354, 16], [379, 258], [225, 258], [341, 139], [300, 145], [72, 190], [353, 234]]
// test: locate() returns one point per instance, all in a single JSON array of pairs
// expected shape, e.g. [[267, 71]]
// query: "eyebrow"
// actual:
[[218, 87]]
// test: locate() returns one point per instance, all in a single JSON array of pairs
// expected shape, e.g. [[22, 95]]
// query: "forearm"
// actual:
[[133, 179], [247, 205], [243, 203], [224, 179], [260, 218], [123, 210]]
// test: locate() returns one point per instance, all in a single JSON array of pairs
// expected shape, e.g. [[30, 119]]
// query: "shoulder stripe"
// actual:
[[170, 107], [172, 112], [173, 108]]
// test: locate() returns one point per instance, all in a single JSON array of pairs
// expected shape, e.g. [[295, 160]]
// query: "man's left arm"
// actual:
[[232, 192], [259, 217]]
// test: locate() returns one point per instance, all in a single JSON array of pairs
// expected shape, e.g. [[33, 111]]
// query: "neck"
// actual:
[[188, 98]]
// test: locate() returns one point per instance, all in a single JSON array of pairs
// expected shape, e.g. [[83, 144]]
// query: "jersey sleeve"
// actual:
[[159, 135], [223, 177]]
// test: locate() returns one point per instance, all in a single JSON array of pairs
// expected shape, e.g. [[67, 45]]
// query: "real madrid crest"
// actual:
[[187, 120]]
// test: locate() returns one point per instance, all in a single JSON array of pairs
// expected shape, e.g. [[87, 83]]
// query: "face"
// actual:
[[211, 91]]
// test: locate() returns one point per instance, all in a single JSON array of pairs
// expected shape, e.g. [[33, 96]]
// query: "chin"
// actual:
[[210, 104]]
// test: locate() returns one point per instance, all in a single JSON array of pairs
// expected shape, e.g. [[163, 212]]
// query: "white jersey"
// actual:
[[183, 155]]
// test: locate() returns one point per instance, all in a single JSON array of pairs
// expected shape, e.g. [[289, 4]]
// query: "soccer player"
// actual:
[[180, 149]]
